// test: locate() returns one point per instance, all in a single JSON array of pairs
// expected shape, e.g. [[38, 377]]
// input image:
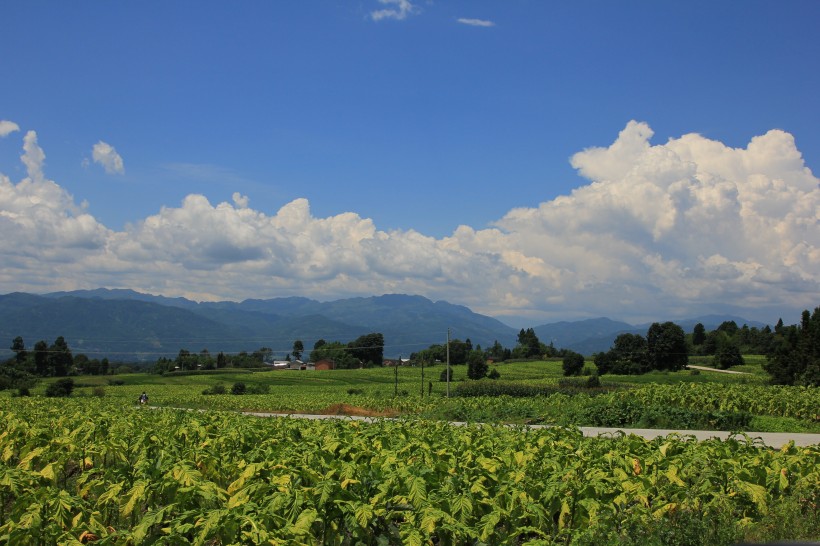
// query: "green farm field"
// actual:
[[96, 468], [687, 399]]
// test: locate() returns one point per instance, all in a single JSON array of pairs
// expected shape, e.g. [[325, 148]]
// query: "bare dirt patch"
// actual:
[[347, 409]]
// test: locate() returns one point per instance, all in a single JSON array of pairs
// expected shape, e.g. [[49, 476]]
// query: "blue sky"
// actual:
[[414, 117]]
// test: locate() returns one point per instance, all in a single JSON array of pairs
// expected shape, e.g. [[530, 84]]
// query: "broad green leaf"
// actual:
[[135, 495], [303, 522]]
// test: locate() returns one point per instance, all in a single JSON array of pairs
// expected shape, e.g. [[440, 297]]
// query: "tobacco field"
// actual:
[[97, 471]]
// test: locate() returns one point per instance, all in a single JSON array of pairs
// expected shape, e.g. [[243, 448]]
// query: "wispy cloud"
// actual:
[[399, 10], [105, 154], [475, 22], [7, 127]]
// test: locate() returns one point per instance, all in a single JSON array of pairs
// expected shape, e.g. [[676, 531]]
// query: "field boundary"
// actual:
[[767, 439]]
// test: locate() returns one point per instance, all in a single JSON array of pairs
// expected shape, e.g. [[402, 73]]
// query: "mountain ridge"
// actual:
[[124, 324]]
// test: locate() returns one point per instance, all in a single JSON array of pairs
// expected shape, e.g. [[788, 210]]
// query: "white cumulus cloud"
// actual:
[[7, 127], [105, 154], [681, 228], [399, 9]]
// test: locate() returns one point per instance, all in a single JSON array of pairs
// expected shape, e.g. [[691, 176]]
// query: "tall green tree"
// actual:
[[498, 352], [19, 348], [666, 347], [529, 345], [185, 360], [368, 349], [794, 357], [298, 349], [573, 363], [726, 356], [336, 351], [698, 334], [476, 365], [60, 360], [459, 351], [41, 358], [628, 356]]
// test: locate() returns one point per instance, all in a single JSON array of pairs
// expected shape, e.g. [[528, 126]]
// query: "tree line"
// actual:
[[44, 360], [363, 352], [792, 352]]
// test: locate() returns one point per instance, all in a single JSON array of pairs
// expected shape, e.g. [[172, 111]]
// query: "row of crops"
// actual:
[[98, 471], [623, 407]]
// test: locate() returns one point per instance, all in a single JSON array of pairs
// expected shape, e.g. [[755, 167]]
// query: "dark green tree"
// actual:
[[794, 357], [298, 349], [497, 352], [698, 334], [185, 360], [476, 365], [41, 358], [528, 344], [728, 326], [368, 349], [19, 348], [727, 355], [666, 347], [336, 351], [459, 350], [60, 360], [573, 363], [262, 354], [60, 388], [628, 356]]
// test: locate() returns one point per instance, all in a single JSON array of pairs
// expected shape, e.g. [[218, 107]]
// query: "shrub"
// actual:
[[573, 363], [116, 382], [23, 391], [727, 356], [239, 388], [98, 391], [60, 388], [216, 389], [353, 391], [494, 374]]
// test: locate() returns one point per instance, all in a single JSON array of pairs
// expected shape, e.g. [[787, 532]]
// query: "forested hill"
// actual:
[[124, 325], [127, 325]]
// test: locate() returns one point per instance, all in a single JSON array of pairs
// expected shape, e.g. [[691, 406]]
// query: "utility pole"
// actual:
[[448, 363], [422, 378]]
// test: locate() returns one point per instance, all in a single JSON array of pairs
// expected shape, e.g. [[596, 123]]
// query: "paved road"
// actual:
[[770, 439], [708, 369]]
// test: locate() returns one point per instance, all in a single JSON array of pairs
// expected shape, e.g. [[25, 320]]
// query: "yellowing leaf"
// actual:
[[303, 522], [363, 514], [136, 495], [672, 476], [48, 471]]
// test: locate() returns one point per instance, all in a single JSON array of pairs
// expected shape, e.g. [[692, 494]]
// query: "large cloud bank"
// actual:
[[677, 229]]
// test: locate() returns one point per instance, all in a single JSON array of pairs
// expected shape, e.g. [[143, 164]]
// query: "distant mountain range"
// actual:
[[124, 325]]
